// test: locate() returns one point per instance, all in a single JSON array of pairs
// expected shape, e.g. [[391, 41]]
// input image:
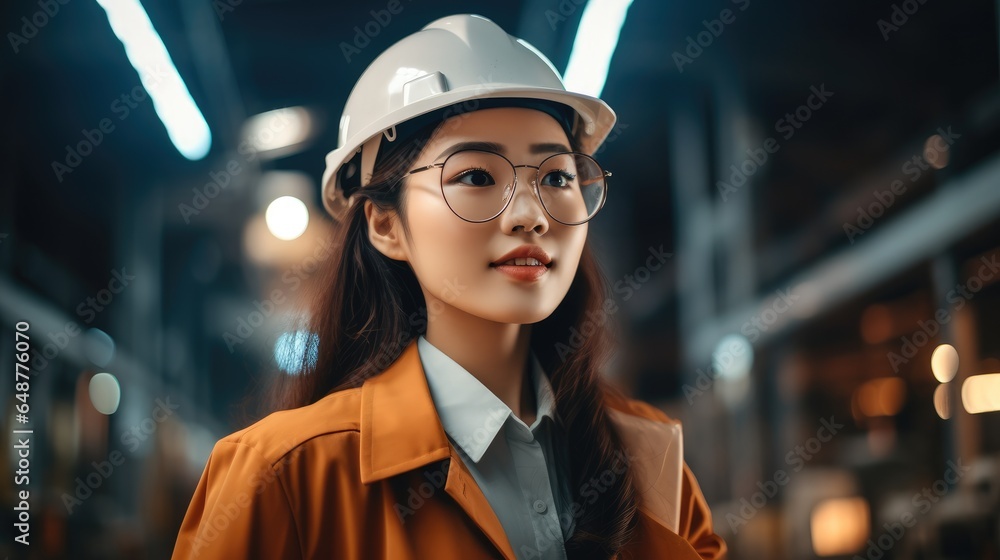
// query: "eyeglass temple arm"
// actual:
[[424, 168]]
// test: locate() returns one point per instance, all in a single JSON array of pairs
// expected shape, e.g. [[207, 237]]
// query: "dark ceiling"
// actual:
[[240, 58], [886, 92]]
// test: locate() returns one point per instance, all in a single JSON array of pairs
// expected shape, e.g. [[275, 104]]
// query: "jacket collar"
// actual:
[[470, 413], [401, 431], [400, 428]]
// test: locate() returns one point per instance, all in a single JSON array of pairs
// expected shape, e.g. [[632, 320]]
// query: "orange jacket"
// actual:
[[369, 474]]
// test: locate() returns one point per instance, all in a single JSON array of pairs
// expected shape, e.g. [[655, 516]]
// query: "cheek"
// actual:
[[572, 249], [571, 240], [445, 250], [450, 259]]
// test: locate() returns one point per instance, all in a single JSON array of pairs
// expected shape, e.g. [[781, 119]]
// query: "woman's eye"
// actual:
[[558, 179], [476, 178]]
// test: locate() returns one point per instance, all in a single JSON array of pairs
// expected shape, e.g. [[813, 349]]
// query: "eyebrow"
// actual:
[[547, 147]]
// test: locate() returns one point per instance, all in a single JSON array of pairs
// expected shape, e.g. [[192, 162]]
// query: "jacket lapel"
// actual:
[[401, 431], [463, 488], [656, 456]]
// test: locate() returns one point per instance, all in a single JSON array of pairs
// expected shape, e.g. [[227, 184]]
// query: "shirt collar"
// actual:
[[470, 413]]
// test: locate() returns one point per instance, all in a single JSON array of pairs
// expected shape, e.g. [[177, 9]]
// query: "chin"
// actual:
[[521, 310], [527, 318]]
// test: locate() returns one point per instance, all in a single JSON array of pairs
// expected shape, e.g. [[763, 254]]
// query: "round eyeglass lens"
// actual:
[[571, 186], [477, 185]]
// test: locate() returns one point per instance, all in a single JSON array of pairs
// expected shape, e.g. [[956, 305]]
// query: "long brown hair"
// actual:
[[367, 307]]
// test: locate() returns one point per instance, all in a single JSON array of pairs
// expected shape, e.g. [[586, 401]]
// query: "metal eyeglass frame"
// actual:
[[534, 184]]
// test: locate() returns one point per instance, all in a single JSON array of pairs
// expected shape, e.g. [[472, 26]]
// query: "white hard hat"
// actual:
[[451, 60]]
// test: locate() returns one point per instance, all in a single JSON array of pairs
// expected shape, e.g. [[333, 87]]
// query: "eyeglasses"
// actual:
[[478, 185]]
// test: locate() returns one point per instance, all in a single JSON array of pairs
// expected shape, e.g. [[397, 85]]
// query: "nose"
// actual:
[[525, 210]]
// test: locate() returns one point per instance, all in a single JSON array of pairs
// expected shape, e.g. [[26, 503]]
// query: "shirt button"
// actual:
[[540, 506]]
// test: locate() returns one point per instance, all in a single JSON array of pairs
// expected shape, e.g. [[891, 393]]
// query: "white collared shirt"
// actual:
[[524, 474]]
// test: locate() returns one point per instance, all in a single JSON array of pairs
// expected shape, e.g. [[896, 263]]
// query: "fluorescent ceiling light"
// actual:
[[278, 132], [287, 217], [171, 99], [595, 42]]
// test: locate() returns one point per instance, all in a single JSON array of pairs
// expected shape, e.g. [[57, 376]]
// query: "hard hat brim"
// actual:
[[596, 121]]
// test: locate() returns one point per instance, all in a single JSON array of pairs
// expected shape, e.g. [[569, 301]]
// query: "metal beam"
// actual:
[[19, 304], [954, 211]]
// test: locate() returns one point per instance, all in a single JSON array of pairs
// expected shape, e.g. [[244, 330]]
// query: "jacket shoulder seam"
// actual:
[[272, 459], [291, 513], [284, 493], [273, 454], [638, 408]]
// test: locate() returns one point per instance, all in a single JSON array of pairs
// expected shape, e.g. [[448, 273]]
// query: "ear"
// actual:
[[384, 231]]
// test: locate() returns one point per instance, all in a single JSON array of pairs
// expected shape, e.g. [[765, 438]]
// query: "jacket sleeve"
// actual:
[[239, 509], [696, 520]]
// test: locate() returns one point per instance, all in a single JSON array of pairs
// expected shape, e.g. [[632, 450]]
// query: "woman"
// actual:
[[452, 406]]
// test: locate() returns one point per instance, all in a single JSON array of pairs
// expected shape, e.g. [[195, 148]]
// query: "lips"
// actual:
[[525, 255], [527, 261]]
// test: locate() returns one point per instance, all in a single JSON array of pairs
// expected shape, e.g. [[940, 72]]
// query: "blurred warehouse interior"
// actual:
[[824, 180]]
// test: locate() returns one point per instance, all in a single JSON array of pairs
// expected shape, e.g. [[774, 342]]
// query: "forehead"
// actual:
[[517, 129]]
